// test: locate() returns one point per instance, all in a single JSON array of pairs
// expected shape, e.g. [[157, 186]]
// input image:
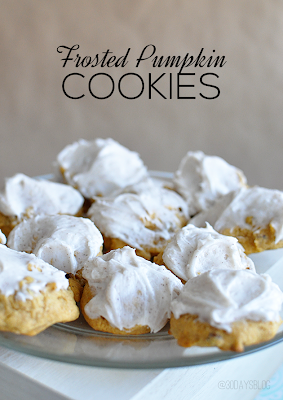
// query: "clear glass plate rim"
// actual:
[[177, 362]]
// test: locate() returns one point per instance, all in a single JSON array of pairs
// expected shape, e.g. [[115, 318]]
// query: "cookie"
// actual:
[[64, 241], [193, 251], [253, 215], [33, 294], [126, 294], [202, 179], [228, 309], [99, 167], [145, 219], [24, 197]]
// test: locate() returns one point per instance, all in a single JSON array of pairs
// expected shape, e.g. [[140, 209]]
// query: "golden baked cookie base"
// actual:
[[76, 285], [159, 259], [101, 324], [32, 316], [254, 241], [7, 223], [190, 332]]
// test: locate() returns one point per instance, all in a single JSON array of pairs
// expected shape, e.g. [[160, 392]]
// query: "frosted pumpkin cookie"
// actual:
[[64, 241], [126, 294], [193, 251], [99, 167], [227, 309], [253, 215], [33, 294], [23, 197], [144, 220], [202, 179]]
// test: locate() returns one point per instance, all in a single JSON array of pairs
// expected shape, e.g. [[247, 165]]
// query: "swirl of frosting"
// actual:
[[146, 219], [193, 251], [130, 290], [64, 241], [27, 195], [22, 273], [202, 179], [222, 296], [99, 167]]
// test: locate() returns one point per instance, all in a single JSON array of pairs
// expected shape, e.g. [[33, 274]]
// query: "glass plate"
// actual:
[[77, 343]]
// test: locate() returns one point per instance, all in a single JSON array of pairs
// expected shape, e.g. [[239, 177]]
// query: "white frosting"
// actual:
[[193, 251], [16, 266], [265, 206], [147, 184], [63, 241], [145, 220], [201, 179], [27, 195], [221, 297], [212, 214], [100, 167], [3, 239], [130, 290]]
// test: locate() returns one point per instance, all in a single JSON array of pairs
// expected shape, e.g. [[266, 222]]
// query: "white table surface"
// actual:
[[27, 377]]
